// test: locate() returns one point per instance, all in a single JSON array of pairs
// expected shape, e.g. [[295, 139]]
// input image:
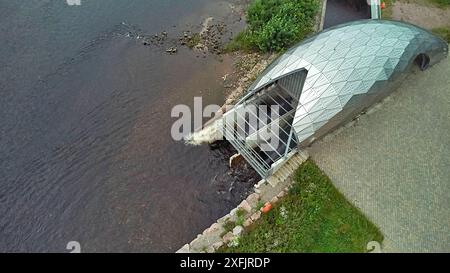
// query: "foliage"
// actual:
[[443, 32], [443, 2], [228, 226], [240, 217], [274, 25], [194, 40]]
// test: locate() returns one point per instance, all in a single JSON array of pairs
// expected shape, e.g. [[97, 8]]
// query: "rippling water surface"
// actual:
[[85, 147]]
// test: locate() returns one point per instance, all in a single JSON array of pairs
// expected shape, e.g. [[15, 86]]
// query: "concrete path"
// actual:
[[338, 12], [394, 163]]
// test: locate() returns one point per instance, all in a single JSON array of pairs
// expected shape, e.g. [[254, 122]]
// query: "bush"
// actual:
[[274, 25]]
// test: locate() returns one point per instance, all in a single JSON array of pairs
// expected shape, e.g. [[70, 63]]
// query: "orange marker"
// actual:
[[267, 207]]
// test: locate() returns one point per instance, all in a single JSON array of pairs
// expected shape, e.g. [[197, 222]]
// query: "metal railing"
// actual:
[[241, 134]]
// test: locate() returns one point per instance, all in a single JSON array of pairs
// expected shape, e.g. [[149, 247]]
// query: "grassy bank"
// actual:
[[443, 32], [313, 217], [274, 25], [443, 3]]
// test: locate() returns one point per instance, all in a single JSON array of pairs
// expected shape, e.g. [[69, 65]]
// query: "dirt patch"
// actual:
[[247, 67], [425, 16]]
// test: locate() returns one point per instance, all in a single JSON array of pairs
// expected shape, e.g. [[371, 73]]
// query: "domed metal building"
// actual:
[[326, 81]]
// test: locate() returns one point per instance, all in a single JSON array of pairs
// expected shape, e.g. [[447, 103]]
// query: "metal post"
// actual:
[[289, 143], [375, 9]]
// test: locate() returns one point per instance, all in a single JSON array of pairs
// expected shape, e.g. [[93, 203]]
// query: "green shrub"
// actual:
[[443, 2], [274, 25], [261, 11]]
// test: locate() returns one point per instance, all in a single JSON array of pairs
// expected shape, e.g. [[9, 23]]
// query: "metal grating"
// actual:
[[244, 125]]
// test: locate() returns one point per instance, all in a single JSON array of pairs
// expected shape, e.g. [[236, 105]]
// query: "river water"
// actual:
[[85, 148]]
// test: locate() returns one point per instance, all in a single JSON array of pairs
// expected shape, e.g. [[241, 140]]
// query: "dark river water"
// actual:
[[85, 147]]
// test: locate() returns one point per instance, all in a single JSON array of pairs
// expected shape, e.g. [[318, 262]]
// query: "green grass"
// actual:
[[242, 41], [240, 217], [443, 32], [227, 227], [194, 40], [313, 217], [274, 25], [443, 3], [387, 12]]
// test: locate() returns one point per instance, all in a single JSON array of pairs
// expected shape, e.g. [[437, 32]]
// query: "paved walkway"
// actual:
[[394, 163], [338, 12]]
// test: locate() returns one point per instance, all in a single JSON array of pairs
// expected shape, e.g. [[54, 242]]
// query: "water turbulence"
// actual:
[[208, 135]]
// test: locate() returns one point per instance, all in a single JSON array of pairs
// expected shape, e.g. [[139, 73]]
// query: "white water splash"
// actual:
[[205, 26], [207, 135]]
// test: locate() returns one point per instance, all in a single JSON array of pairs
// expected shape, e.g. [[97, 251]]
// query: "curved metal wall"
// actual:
[[349, 67]]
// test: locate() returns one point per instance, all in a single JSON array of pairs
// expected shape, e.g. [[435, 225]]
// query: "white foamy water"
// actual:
[[207, 135]]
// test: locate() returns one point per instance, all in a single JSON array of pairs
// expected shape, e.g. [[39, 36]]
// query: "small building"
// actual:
[[324, 82]]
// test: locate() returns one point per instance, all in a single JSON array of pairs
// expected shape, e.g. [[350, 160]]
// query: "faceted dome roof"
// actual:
[[346, 61]]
